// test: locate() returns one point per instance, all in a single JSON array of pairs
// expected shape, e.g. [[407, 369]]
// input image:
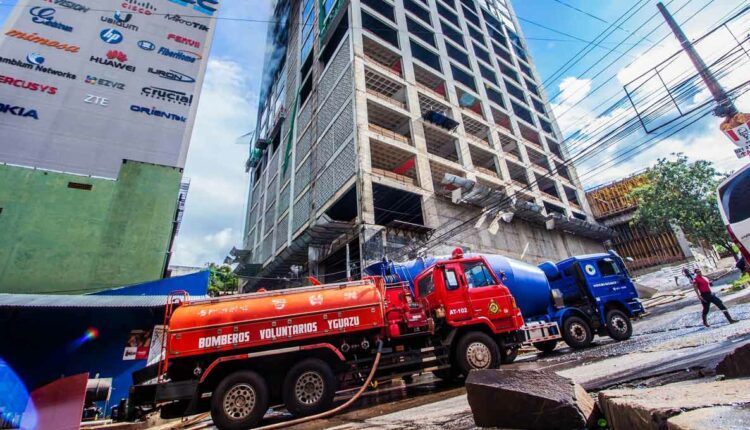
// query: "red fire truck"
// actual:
[[237, 355]]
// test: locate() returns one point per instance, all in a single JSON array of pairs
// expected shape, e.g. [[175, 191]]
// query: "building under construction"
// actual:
[[647, 250], [384, 123]]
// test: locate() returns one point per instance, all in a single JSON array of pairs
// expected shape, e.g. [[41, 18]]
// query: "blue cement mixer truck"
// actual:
[[578, 298]]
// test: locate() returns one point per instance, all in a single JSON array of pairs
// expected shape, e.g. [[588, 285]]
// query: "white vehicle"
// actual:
[[734, 205]]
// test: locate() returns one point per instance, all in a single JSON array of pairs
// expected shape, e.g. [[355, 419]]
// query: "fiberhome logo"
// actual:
[[28, 85], [186, 56], [35, 38], [115, 59]]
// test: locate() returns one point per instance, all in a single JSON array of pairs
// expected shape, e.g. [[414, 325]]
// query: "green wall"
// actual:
[[57, 239]]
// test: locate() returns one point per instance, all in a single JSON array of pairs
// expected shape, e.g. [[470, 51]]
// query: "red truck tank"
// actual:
[[237, 355]]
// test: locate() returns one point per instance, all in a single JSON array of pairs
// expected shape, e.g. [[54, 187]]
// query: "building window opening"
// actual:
[[394, 207]]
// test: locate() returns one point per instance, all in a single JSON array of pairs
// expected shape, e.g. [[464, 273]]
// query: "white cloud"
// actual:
[[215, 205]]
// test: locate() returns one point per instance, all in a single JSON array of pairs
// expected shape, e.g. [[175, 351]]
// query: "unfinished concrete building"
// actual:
[[383, 123]]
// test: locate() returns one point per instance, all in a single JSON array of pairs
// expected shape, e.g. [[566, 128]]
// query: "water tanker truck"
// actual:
[[583, 295], [236, 356]]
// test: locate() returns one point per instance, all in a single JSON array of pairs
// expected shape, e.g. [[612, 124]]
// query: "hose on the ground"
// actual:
[[338, 408]]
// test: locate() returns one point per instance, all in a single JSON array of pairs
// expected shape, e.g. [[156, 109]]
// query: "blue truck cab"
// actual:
[[591, 294]]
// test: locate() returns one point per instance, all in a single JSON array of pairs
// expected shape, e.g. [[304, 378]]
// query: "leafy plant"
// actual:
[[221, 279]]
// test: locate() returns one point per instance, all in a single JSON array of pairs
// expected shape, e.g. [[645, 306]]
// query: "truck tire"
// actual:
[[239, 401], [309, 387], [476, 350], [619, 326], [508, 354], [546, 346], [577, 332]]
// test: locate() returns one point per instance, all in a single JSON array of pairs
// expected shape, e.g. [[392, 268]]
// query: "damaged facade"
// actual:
[[384, 123]]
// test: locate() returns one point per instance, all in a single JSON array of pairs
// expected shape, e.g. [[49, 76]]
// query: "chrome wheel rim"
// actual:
[[309, 388], [478, 355], [577, 332], [239, 401]]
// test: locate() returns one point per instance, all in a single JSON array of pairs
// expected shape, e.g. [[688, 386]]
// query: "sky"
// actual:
[[631, 39]]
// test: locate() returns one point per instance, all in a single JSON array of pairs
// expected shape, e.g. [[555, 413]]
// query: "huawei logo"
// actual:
[[117, 55]]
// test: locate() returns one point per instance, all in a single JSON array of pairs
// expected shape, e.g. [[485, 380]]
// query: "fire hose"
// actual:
[[338, 408]]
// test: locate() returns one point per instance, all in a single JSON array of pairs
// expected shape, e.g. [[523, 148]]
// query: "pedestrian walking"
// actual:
[[703, 289], [686, 272], [742, 266]]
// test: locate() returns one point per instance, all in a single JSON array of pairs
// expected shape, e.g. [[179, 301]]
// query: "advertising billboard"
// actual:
[[86, 84]]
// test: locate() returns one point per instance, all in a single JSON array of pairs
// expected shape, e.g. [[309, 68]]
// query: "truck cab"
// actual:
[[592, 294]]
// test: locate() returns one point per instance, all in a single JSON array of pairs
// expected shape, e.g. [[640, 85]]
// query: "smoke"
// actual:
[[276, 46]]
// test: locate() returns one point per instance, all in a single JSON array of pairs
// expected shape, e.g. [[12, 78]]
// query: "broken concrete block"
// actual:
[[715, 418], [527, 399], [736, 364], [650, 408]]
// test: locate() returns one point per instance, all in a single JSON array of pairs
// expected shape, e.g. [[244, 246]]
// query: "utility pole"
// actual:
[[725, 106]]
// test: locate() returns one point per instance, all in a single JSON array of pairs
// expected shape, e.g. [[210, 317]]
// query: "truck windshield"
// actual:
[[451, 281], [477, 275], [425, 285], [608, 267]]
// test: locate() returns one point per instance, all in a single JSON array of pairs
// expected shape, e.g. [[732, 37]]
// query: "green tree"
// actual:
[[221, 279], [683, 194]]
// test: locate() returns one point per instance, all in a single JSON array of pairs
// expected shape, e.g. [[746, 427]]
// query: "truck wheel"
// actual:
[[239, 401], [546, 346], [508, 354], [309, 387], [618, 325], [477, 350], [577, 333]]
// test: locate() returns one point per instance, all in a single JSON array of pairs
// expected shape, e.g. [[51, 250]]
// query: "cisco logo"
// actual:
[[146, 45]]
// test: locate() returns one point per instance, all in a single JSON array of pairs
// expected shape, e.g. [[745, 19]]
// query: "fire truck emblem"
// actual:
[[316, 300], [494, 308], [279, 304], [350, 295]]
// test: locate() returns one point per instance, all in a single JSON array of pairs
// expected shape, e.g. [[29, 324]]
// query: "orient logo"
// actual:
[[28, 85], [96, 100], [166, 95], [172, 75], [186, 56], [142, 7], [191, 24], [18, 111], [152, 111], [93, 80], [111, 36], [45, 16], [69, 5], [121, 20], [184, 40], [35, 38], [34, 62], [115, 59], [207, 7]]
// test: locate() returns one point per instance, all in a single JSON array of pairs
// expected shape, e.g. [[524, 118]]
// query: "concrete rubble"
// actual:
[[547, 400], [715, 418], [736, 364], [652, 408]]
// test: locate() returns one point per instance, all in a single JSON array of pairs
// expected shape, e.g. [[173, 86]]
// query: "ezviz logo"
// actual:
[[93, 80], [207, 7]]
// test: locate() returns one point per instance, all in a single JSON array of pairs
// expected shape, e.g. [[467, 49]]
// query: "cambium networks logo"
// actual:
[[207, 7]]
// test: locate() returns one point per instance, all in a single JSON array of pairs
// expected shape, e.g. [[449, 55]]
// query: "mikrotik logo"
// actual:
[[192, 24], [35, 38], [46, 16]]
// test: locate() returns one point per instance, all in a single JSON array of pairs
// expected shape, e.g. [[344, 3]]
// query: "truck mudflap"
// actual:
[[151, 394], [540, 331]]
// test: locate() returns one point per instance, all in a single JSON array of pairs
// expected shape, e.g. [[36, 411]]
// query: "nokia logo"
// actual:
[[96, 100], [172, 75], [146, 45], [93, 80], [111, 36], [207, 7], [115, 59], [186, 56], [18, 111], [166, 95], [121, 20], [143, 7], [191, 24], [35, 38], [28, 85], [46, 16], [69, 5], [34, 62], [184, 40], [152, 111]]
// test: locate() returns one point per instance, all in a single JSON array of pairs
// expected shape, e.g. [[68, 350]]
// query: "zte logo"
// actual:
[[96, 100], [224, 339]]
